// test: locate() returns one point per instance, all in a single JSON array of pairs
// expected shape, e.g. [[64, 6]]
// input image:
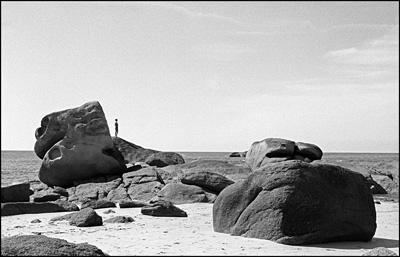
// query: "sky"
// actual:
[[206, 76]]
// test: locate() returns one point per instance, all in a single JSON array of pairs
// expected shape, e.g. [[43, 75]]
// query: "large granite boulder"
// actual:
[[15, 193], [297, 203], [39, 245], [162, 159], [76, 144], [132, 153], [272, 150]]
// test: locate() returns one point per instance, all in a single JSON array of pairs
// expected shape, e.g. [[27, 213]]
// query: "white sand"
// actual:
[[193, 235]]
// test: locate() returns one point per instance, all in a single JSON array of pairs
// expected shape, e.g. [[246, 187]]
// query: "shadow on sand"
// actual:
[[375, 242]]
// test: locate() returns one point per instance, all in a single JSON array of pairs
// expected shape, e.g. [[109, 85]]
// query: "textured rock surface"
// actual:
[[25, 208], [272, 150], [294, 202], [162, 159], [38, 245], [206, 179], [15, 193], [76, 144], [163, 208], [97, 204], [84, 218], [178, 193]]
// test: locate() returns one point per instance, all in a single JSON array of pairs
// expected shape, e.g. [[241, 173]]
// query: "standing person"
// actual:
[[116, 127]]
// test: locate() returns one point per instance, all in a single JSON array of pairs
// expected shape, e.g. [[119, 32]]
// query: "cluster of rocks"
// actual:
[[178, 184], [84, 166], [285, 196]]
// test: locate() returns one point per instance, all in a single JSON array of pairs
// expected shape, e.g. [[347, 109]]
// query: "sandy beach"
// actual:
[[194, 235]]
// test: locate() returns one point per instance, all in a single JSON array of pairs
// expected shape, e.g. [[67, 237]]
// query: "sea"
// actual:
[[23, 166]]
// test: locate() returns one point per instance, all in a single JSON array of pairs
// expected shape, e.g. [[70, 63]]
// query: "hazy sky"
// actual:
[[206, 76]]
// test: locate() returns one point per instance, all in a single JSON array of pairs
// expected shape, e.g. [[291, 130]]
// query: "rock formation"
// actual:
[[162, 159], [15, 193], [84, 218], [272, 150], [295, 202], [163, 208], [39, 245], [132, 153], [76, 144]]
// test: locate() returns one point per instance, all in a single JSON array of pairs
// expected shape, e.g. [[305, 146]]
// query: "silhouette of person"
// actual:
[[116, 127]]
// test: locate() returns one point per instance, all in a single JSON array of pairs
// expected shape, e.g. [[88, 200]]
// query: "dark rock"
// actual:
[[76, 144], [109, 211], [162, 159], [118, 194], [297, 203], [132, 153], [206, 179], [388, 185], [178, 193], [97, 204], [39, 245], [67, 206], [235, 154], [84, 218], [120, 219], [131, 203], [16, 208], [45, 196], [36, 221], [373, 186], [163, 208], [15, 193], [93, 191], [60, 190], [380, 251], [144, 191], [308, 150], [143, 175], [133, 168]]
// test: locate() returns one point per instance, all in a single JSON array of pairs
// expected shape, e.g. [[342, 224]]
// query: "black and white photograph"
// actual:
[[200, 128]]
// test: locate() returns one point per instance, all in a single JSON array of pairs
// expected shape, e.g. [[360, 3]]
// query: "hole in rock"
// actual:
[[54, 153]]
